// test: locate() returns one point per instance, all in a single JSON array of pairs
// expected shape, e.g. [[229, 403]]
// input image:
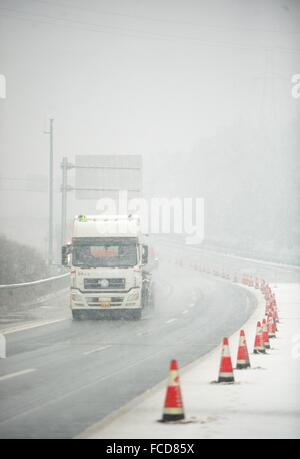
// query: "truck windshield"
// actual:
[[105, 255]]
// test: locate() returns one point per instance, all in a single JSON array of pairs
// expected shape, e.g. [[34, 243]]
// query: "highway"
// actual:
[[227, 262], [60, 378]]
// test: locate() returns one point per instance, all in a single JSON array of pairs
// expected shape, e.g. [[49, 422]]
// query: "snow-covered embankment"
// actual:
[[264, 402]]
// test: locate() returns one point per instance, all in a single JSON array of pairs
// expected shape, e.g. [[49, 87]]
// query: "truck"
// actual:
[[109, 266]]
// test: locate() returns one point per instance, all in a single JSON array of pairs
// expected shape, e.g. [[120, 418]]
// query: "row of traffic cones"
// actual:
[[266, 330], [173, 407]]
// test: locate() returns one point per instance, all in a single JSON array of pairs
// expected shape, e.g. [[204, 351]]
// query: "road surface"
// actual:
[[60, 378]]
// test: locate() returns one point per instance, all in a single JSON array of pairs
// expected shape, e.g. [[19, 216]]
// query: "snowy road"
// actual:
[[263, 404], [60, 378], [227, 262]]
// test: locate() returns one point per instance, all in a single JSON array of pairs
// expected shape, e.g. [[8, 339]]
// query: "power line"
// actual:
[[39, 185], [22, 190], [98, 28], [24, 15], [159, 20], [27, 190], [122, 168], [88, 24], [19, 179]]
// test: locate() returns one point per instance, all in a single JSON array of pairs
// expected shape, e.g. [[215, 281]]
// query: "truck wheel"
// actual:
[[136, 315], [77, 315], [152, 301]]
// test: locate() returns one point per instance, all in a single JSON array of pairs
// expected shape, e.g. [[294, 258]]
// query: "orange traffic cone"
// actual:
[[267, 308], [276, 315], [259, 347], [243, 360], [226, 374], [173, 407], [271, 327], [273, 313], [265, 334]]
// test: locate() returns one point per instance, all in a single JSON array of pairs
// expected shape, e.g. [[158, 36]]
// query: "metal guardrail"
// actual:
[[19, 296], [228, 255], [15, 297], [38, 282], [271, 264], [231, 263]]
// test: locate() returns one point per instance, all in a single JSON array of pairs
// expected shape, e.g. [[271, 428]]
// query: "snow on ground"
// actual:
[[264, 403]]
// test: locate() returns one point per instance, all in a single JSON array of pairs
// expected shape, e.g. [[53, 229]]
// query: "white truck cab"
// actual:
[[108, 259]]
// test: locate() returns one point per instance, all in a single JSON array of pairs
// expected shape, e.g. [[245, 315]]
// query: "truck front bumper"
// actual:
[[106, 300]]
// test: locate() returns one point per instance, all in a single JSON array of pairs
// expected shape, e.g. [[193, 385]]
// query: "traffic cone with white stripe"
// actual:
[[259, 347], [267, 308], [274, 309], [226, 374], [243, 360], [265, 334], [276, 314], [173, 407], [273, 313], [271, 327]]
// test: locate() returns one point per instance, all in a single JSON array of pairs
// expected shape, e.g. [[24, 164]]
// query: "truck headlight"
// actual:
[[76, 298], [133, 296]]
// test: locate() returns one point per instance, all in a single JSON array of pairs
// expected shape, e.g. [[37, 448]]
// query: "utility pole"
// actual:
[[51, 173], [65, 166]]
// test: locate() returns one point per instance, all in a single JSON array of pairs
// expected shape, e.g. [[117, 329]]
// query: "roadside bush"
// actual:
[[20, 263]]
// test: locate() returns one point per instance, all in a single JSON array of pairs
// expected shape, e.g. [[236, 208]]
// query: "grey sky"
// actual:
[[138, 76]]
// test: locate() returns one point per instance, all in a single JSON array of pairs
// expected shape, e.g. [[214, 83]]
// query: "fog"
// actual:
[[193, 103], [201, 89]]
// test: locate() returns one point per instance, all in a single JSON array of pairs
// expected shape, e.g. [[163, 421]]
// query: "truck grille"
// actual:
[[104, 284], [115, 301]]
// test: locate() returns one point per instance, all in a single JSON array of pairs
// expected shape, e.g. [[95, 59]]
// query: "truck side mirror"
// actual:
[[144, 254], [65, 252]]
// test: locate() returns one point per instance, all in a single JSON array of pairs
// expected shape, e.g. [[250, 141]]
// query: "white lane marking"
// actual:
[[141, 333], [185, 312], [98, 349], [30, 326], [145, 332], [192, 305], [14, 375], [171, 321], [84, 387]]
